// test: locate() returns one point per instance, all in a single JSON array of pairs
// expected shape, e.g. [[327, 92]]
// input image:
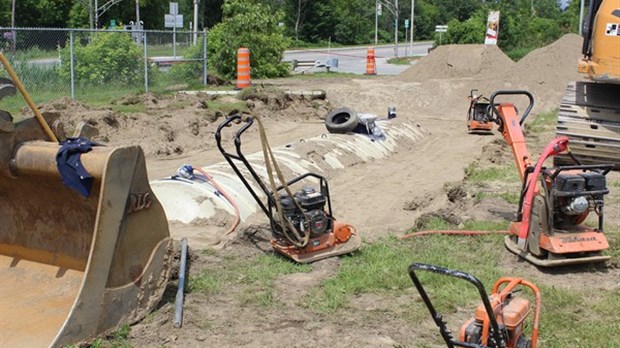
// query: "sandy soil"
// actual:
[[396, 191]]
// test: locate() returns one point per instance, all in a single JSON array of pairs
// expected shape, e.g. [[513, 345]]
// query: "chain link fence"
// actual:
[[89, 64]]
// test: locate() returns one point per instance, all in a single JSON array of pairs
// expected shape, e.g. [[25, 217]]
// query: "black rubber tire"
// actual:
[[341, 120]]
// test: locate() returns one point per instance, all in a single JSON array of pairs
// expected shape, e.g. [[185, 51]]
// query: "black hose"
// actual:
[[178, 313]]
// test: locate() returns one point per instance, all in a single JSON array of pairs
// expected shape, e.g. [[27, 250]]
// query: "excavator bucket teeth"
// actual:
[[73, 267]]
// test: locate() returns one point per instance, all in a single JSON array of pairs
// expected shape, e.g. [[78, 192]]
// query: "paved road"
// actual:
[[350, 60], [353, 60]]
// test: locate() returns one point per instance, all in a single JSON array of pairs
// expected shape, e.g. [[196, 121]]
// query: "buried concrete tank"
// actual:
[[196, 198]]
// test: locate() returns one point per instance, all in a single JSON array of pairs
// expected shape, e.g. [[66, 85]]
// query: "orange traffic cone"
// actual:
[[243, 68], [370, 62]]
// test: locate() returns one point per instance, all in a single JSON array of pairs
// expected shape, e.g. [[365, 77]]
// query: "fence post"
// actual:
[[72, 65], [204, 60], [146, 67]]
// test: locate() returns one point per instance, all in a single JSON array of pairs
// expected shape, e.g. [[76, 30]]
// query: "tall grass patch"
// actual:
[[382, 266], [257, 276], [476, 174]]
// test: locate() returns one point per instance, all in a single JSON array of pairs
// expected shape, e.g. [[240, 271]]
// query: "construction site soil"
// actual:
[[382, 197]]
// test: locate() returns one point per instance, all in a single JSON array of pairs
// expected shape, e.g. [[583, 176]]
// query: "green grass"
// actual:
[[116, 339], [257, 275], [403, 60], [573, 318], [543, 122], [475, 174], [382, 266], [612, 232], [331, 74], [510, 197], [33, 53], [156, 51]]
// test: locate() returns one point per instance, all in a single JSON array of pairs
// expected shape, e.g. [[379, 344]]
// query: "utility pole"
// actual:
[[396, 28], [196, 2], [138, 13], [376, 19], [13, 13], [13, 32], [411, 29]]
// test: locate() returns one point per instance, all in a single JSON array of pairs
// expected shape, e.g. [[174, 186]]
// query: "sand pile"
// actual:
[[457, 61], [552, 65], [546, 71]]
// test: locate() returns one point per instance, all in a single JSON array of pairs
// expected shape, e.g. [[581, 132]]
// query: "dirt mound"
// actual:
[[551, 65], [457, 61], [546, 71], [172, 125]]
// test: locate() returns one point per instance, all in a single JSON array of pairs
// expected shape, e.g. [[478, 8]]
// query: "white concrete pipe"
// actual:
[[189, 200]]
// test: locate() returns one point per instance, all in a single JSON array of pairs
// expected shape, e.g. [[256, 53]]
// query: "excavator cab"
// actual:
[[74, 264]]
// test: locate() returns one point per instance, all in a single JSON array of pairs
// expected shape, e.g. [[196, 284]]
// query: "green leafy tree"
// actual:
[[470, 31], [569, 18], [426, 18], [542, 31], [457, 9], [109, 58], [78, 16], [253, 25]]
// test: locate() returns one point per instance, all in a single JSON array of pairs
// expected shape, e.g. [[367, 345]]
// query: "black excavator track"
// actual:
[[590, 117]]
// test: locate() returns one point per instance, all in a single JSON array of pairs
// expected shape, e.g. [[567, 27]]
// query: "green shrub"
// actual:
[[246, 24], [470, 31], [110, 57]]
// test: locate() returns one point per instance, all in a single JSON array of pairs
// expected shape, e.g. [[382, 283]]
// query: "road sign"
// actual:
[[174, 8], [172, 21], [441, 28], [406, 24], [379, 9]]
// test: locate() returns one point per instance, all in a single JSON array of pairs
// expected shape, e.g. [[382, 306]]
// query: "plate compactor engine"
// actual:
[[313, 218], [302, 224], [576, 194], [499, 321]]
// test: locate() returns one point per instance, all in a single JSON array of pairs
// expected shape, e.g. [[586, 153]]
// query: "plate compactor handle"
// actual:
[[513, 92], [443, 329]]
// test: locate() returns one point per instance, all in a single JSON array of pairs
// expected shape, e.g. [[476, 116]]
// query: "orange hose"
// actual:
[[219, 188], [453, 232]]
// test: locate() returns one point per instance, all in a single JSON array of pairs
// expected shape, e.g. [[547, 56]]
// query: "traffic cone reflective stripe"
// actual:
[[370, 62], [243, 68]]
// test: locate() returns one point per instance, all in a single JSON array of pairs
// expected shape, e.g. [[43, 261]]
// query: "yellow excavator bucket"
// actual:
[[73, 267]]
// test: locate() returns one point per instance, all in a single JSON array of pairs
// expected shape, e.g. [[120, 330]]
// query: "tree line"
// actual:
[[268, 27], [346, 22]]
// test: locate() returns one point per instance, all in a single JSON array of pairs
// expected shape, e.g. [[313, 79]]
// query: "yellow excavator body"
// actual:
[[590, 110], [73, 267], [604, 63]]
